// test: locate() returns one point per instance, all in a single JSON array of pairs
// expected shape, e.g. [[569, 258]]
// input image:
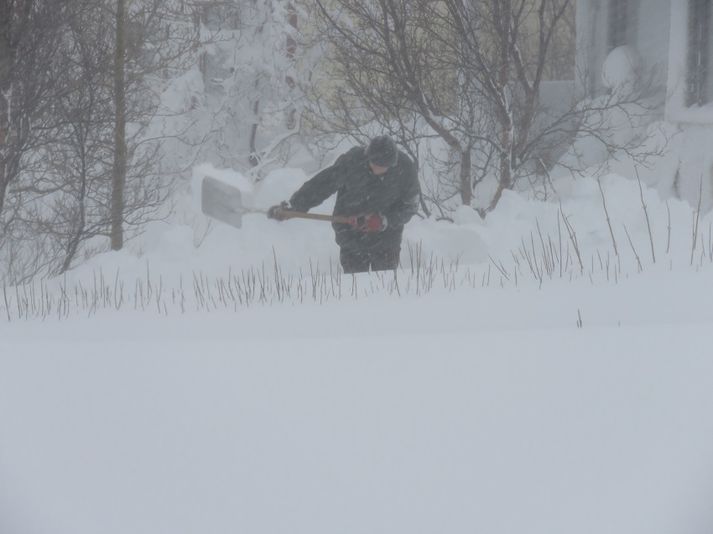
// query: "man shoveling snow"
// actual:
[[377, 194]]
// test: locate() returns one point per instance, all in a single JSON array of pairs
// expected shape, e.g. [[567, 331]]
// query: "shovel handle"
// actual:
[[289, 214]]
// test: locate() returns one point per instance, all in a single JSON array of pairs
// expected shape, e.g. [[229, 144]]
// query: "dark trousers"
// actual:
[[361, 261]]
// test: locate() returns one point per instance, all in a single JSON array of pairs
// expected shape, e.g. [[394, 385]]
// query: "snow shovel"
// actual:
[[223, 202]]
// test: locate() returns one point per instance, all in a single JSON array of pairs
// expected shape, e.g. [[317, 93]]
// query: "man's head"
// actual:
[[382, 154]]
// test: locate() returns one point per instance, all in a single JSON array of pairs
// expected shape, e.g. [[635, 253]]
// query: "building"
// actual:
[[670, 44], [673, 39]]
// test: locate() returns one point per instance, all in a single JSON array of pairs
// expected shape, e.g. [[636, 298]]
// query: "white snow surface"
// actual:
[[578, 403]]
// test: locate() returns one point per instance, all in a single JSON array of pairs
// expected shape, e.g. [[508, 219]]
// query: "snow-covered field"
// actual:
[[520, 377]]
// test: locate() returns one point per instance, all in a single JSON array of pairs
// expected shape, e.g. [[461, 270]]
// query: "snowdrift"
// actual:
[[608, 217]]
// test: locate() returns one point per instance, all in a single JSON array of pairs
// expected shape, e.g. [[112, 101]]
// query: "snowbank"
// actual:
[[197, 244], [523, 393], [477, 411]]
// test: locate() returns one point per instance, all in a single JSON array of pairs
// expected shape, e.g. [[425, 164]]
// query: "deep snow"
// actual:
[[409, 416], [472, 407]]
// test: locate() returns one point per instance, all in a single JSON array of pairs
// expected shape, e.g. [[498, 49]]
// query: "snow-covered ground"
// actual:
[[520, 377]]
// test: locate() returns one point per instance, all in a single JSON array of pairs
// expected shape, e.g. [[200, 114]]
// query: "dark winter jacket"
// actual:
[[360, 192]]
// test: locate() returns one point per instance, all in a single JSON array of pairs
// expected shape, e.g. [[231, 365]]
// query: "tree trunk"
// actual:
[[4, 178], [504, 15], [466, 189], [8, 150], [505, 178], [291, 122], [3, 186], [504, 182], [120, 154], [76, 238], [6, 61], [254, 156]]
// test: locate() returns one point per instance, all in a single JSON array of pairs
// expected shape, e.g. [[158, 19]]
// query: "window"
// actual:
[[622, 22], [699, 79]]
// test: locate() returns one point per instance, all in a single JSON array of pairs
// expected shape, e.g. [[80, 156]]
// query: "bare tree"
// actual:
[[77, 177], [96, 170], [153, 40], [29, 35], [467, 72], [507, 64], [30, 46], [120, 155]]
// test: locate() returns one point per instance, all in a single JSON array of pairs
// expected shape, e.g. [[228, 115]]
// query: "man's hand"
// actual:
[[275, 212], [373, 222]]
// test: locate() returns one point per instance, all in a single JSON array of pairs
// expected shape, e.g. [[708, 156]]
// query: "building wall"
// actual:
[[591, 45], [652, 38], [662, 38], [676, 109]]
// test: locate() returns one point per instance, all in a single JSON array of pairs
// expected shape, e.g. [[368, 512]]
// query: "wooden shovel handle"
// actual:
[[289, 214]]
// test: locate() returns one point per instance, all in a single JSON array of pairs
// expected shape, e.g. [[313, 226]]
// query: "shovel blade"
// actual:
[[221, 201]]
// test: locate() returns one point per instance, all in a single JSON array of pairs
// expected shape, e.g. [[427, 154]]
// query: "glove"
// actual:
[[373, 222], [275, 212]]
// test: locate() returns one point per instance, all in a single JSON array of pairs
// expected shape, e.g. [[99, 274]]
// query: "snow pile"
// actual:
[[550, 405], [677, 162], [604, 230], [474, 411], [625, 132], [621, 70], [607, 230], [212, 247]]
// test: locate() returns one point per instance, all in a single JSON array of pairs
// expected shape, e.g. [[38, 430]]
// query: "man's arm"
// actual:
[[322, 186]]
